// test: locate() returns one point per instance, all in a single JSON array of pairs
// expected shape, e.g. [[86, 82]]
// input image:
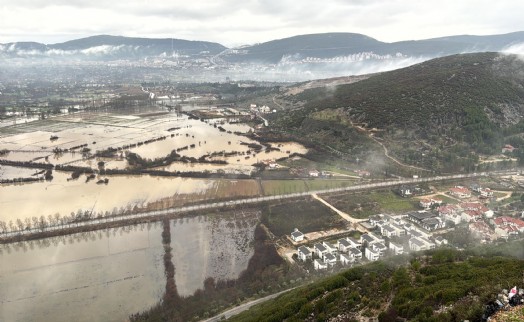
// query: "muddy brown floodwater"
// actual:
[[109, 275], [63, 196]]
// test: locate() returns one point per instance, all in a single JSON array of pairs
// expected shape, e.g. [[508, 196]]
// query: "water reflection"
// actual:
[[110, 274]]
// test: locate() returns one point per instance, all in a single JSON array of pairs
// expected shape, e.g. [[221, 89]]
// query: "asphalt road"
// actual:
[[253, 200], [243, 307]]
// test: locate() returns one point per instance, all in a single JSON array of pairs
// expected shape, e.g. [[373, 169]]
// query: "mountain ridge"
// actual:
[[295, 48]]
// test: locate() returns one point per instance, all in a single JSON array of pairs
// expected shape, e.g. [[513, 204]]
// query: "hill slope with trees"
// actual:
[[430, 114], [441, 285]]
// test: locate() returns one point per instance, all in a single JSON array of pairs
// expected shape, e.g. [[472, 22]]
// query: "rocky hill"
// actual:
[[428, 114]]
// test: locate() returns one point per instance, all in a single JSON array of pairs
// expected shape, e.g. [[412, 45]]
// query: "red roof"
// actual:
[[508, 221]]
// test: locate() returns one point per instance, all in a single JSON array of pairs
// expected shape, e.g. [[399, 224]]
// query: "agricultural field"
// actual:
[[276, 187], [363, 205], [307, 215]]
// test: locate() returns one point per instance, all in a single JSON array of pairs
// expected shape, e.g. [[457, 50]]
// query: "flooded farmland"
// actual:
[[109, 275], [74, 140]]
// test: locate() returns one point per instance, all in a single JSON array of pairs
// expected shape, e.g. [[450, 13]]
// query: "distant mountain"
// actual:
[[356, 47], [105, 47], [298, 58]]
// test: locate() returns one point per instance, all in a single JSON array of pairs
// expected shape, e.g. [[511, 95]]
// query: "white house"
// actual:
[[314, 173], [460, 192], [486, 193], [297, 236], [320, 250], [319, 264], [416, 244], [397, 249], [304, 253], [346, 259], [354, 243], [330, 259], [355, 253], [380, 248], [439, 240], [330, 248], [388, 231], [371, 254], [343, 245]]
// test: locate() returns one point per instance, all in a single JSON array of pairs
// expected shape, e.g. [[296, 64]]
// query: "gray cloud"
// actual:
[[233, 22]]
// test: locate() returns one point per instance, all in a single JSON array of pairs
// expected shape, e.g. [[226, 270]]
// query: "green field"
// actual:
[[276, 187], [363, 205], [447, 199], [306, 215]]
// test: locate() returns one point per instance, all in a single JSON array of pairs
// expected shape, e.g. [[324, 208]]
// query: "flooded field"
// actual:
[[108, 275], [74, 139], [63, 196], [150, 135], [211, 247], [104, 277]]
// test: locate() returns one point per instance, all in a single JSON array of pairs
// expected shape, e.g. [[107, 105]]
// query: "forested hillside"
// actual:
[[432, 113], [442, 285]]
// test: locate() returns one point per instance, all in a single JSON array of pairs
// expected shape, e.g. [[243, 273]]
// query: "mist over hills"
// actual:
[[351, 46], [316, 47], [104, 47]]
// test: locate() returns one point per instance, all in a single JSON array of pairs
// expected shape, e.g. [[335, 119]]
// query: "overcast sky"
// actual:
[[236, 22]]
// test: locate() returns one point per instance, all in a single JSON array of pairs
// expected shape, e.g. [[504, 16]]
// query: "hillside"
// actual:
[[425, 112], [444, 285], [358, 46], [106, 47]]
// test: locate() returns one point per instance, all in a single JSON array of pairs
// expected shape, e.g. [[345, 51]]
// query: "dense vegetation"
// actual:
[[441, 285], [306, 215], [432, 114]]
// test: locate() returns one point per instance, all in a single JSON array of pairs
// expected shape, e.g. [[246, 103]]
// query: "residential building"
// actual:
[[460, 192], [380, 248], [304, 253], [346, 259], [343, 245], [371, 254], [416, 244], [397, 249], [330, 259], [440, 241], [330, 248], [420, 243], [471, 216], [320, 250], [297, 236], [355, 253], [506, 226], [354, 243], [319, 264], [486, 193]]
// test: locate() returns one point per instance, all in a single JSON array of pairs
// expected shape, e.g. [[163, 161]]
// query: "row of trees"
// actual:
[[57, 220]]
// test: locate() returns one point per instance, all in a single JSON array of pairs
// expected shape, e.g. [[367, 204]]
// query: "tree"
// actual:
[[3, 227], [42, 223], [20, 224], [27, 221]]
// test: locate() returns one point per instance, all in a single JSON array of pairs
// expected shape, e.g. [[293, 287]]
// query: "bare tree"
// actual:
[[3, 227], [20, 224], [42, 223], [35, 221], [57, 218], [51, 220], [27, 222]]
